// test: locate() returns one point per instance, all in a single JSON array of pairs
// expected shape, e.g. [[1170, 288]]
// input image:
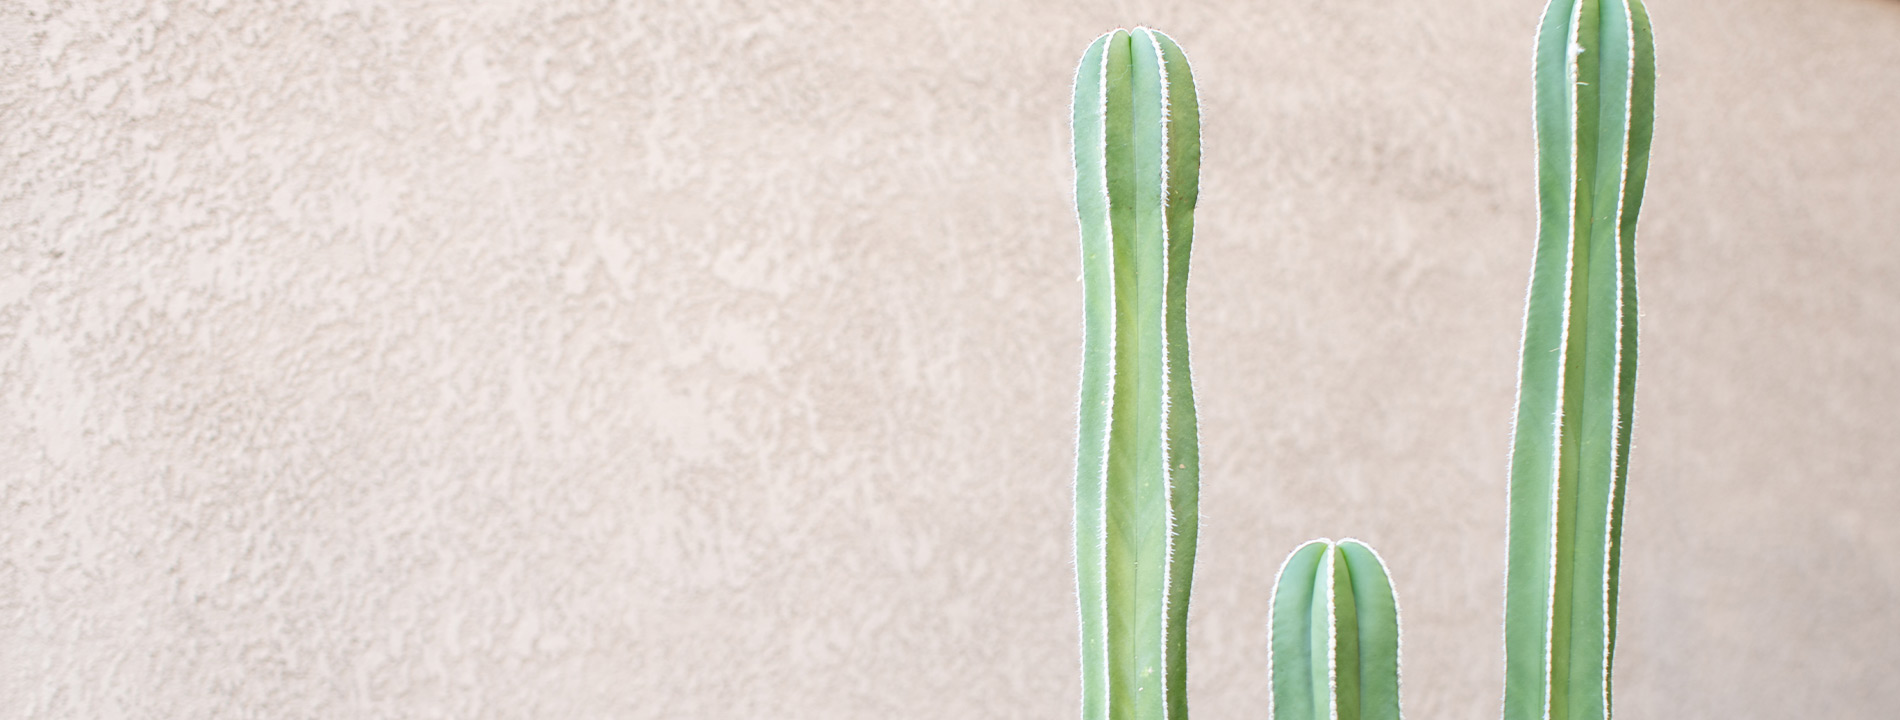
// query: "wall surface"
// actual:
[[384, 359]]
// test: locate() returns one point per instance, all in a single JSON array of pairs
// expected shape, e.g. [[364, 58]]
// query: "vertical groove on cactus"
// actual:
[[1136, 127], [1334, 635], [1595, 74]]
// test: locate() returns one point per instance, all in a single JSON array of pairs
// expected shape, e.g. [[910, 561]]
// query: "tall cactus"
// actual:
[[1334, 636], [1595, 77], [1137, 495]]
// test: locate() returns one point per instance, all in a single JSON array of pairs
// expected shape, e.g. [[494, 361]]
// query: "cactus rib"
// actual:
[[1595, 76], [1137, 159]]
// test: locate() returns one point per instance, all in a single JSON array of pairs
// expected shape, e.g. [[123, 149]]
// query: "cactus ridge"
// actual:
[[1136, 124]]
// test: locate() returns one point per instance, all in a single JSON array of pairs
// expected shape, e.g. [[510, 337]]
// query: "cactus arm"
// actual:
[[1137, 157], [1594, 78], [1334, 636]]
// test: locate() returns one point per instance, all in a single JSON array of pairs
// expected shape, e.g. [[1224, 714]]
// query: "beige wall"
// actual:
[[717, 359]]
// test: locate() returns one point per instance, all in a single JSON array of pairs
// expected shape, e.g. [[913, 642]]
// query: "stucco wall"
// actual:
[[717, 359]]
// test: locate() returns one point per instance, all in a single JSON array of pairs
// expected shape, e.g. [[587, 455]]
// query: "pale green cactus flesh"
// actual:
[[1595, 76], [1334, 635], [1137, 494]]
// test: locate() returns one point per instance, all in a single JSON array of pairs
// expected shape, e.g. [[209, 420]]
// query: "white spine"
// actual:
[[1332, 631], [1114, 332]]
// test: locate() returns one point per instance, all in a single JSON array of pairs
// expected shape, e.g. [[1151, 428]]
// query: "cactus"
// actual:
[[1595, 77], [1334, 628], [1137, 161], [1334, 635]]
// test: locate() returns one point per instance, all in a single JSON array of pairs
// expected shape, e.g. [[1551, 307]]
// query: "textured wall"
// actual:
[[717, 359]]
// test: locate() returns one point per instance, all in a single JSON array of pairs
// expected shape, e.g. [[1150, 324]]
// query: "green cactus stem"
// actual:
[[1334, 635], [1595, 78], [1137, 494]]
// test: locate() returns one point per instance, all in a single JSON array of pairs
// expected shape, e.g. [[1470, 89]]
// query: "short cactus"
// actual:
[[1334, 635]]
